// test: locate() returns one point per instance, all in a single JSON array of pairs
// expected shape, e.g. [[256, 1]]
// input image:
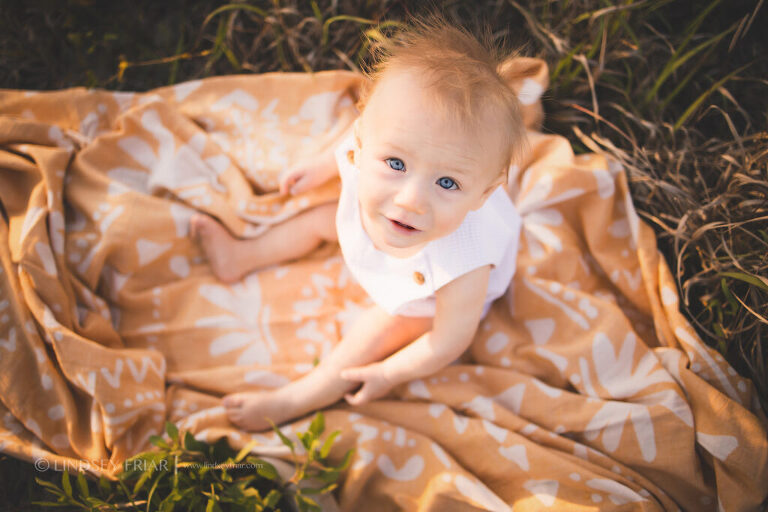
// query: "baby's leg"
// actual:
[[232, 258], [373, 336]]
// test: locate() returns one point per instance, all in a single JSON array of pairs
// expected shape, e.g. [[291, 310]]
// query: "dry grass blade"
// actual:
[[542, 34], [592, 16], [329, 21], [234, 7]]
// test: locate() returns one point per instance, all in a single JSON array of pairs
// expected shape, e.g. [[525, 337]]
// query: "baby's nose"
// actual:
[[411, 197]]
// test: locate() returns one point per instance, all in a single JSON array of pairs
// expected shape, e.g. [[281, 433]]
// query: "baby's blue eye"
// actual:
[[447, 183], [395, 163]]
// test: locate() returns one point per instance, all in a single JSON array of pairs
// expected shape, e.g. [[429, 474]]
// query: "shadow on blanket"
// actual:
[[584, 386]]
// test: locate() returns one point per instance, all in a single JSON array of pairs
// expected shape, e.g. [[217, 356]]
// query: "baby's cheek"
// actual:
[[371, 190], [449, 220]]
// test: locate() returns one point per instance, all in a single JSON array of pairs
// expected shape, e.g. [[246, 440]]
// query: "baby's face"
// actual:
[[420, 173]]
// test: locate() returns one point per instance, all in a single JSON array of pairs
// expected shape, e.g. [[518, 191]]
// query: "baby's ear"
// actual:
[[499, 181], [356, 131]]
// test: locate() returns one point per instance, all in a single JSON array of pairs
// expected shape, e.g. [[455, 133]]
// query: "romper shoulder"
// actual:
[[504, 210], [344, 153], [484, 238]]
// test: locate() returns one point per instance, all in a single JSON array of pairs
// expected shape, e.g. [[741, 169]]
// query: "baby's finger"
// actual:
[[355, 374], [298, 186], [284, 185], [287, 180], [349, 374], [358, 398]]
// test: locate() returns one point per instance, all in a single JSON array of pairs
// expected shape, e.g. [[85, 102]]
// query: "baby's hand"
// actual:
[[303, 176], [375, 383]]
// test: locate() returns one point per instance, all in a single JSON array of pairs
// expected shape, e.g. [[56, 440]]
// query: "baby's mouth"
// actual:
[[403, 225]]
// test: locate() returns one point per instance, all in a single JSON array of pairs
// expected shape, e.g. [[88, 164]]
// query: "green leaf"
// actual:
[[105, 486], [152, 490], [175, 64], [693, 106], [66, 485], [328, 444], [190, 499], [318, 424], [272, 498], [83, 485], [306, 439], [267, 470], [314, 449], [307, 503], [234, 493], [320, 490], [675, 62], [347, 459], [287, 442], [748, 278], [192, 444], [141, 481], [169, 503], [140, 463], [565, 63], [172, 430], [245, 450], [97, 503], [159, 442], [221, 450], [316, 11], [231, 58], [734, 306], [693, 73], [328, 475], [50, 486]]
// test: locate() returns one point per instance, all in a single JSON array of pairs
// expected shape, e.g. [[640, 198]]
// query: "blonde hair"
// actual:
[[461, 71]]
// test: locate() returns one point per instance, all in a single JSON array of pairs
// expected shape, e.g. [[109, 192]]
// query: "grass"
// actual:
[[677, 94], [675, 90]]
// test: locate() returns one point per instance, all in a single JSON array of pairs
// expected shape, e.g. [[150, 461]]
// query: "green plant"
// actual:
[[186, 474]]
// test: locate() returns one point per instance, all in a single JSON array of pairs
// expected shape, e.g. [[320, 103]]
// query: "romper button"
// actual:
[[351, 156], [418, 277]]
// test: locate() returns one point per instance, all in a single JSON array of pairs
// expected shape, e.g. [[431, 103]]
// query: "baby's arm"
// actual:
[[311, 172], [308, 173], [458, 312]]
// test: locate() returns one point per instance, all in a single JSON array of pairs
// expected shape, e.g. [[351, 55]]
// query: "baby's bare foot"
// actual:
[[218, 246], [250, 410]]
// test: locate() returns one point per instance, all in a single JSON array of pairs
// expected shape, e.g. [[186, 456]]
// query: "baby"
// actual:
[[423, 221]]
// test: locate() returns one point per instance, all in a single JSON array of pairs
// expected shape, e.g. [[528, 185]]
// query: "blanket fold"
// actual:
[[584, 388]]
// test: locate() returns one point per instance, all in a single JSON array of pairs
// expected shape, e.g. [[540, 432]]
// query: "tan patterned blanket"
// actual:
[[584, 389]]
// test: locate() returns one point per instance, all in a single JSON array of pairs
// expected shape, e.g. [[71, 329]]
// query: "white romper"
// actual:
[[406, 286]]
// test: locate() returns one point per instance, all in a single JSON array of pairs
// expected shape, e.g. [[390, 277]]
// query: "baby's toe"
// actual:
[[234, 415], [232, 402], [196, 224]]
